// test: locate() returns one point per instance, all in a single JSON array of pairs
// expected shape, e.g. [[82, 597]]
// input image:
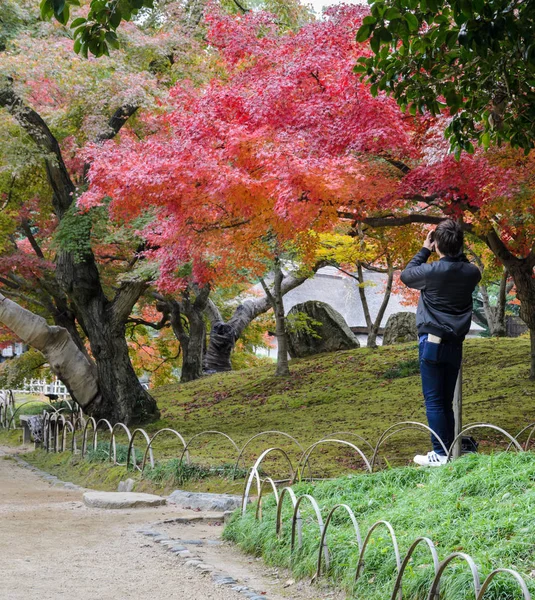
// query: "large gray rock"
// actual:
[[332, 335], [205, 501], [121, 500], [400, 328]]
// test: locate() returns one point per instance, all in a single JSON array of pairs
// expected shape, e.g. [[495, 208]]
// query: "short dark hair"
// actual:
[[449, 237]]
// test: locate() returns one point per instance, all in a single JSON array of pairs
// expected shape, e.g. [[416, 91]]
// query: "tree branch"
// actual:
[[15, 294], [9, 283], [201, 299], [164, 322], [33, 242], [398, 221], [212, 312], [38, 130], [398, 164], [116, 122], [241, 7], [494, 242], [126, 298], [269, 295]]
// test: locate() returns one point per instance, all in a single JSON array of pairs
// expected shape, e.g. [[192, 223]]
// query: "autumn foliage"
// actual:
[[272, 148]]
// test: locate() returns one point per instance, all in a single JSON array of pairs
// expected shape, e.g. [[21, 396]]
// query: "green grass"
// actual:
[[362, 391], [480, 505]]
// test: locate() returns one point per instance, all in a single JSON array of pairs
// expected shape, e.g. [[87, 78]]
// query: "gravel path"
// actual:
[[52, 547]]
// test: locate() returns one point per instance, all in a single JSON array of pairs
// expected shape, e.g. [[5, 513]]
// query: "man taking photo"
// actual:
[[443, 319]]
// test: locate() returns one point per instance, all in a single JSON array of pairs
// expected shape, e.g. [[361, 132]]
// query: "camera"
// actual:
[[432, 237]]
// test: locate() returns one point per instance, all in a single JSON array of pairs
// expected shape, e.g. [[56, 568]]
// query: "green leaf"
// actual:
[[360, 69], [485, 140], [63, 16], [111, 38], [369, 20], [115, 18], [94, 47], [375, 43], [362, 34], [77, 45], [79, 31], [451, 38], [392, 13], [466, 8], [47, 9], [59, 6], [384, 34], [412, 21], [77, 22]]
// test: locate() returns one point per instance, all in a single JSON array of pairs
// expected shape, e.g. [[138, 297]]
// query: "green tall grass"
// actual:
[[481, 505]]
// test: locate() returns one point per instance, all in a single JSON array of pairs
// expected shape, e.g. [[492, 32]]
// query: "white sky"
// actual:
[[319, 4]]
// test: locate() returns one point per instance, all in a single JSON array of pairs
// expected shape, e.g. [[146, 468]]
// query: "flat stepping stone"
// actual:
[[115, 500], [205, 501]]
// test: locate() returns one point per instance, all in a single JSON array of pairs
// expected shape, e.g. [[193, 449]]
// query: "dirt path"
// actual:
[[53, 547]]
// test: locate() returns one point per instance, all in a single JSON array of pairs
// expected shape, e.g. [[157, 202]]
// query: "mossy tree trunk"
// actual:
[[224, 335], [119, 395]]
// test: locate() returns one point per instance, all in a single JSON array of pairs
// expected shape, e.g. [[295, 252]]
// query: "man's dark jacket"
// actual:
[[445, 305]]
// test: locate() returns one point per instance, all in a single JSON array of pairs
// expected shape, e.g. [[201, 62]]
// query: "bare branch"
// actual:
[[241, 7], [269, 295], [33, 242], [164, 322], [116, 122], [9, 283]]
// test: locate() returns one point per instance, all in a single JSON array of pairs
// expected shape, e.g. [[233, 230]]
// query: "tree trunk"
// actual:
[[500, 329], [495, 315], [123, 398], [521, 271], [192, 340], [64, 357], [276, 299], [120, 396], [192, 362], [373, 326], [363, 299], [223, 336], [372, 337]]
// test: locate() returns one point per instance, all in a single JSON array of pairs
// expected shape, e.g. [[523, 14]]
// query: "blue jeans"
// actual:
[[439, 367]]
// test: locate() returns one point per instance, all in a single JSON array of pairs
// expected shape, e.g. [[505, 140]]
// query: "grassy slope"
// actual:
[[345, 391], [480, 505]]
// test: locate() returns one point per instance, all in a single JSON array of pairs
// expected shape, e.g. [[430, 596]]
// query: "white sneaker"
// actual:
[[431, 459]]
